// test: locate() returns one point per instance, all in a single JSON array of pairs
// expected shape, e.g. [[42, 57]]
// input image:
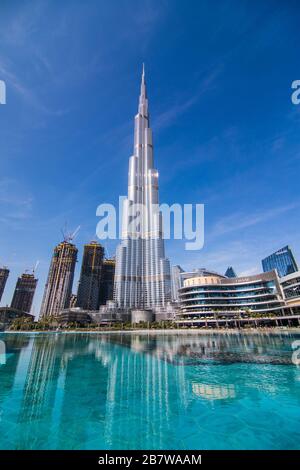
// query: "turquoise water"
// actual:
[[140, 391]]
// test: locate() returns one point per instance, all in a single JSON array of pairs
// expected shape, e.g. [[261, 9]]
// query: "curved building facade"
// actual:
[[291, 288], [213, 296]]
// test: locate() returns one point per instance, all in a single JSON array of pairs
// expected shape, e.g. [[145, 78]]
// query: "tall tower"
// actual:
[[142, 277], [107, 280], [90, 276], [24, 292], [4, 272], [59, 283]]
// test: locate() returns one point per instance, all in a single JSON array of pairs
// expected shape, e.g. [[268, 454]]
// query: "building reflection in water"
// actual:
[[213, 392], [71, 391]]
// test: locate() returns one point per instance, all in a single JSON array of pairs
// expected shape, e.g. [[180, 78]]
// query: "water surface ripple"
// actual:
[[140, 391]]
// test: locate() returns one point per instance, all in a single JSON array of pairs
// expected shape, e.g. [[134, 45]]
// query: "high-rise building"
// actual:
[[142, 277], [90, 276], [177, 281], [107, 281], [4, 272], [24, 292], [59, 283], [230, 272], [283, 260]]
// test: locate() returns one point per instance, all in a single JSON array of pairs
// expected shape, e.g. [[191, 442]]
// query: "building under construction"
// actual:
[[88, 295], [24, 293], [59, 283], [107, 281], [4, 272]]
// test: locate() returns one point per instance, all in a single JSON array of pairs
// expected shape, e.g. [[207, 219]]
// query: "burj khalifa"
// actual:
[[142, 276]]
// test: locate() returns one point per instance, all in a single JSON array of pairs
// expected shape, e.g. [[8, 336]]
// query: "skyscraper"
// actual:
[[4, 272], [24, 292], [142, 277], [177, 281], [283, 260], [90, 276], [59, 283], [107, 281]]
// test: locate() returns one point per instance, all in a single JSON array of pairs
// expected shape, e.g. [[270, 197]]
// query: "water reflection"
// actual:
[[131, 390], [214, 392], [213, 348]]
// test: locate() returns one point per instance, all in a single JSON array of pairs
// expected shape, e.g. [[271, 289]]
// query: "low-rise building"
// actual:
[[211, 299], [107, 315], [73, 315], [291, 288], [9, 314]]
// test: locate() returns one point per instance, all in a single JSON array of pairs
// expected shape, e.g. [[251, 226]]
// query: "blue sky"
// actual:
[[226, 133]]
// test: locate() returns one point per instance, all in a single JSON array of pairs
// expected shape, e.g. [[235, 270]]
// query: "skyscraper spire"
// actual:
[[142, 277], [143, 102]]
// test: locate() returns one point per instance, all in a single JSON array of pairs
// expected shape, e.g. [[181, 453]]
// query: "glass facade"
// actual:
[[216, 296], [291, 286], [90, 277], [283, 260], [176, 281], [142, 275]]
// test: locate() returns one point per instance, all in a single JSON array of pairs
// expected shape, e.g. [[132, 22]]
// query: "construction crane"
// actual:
[[106, 248], [35, 267], [68, 237], [32, 270]]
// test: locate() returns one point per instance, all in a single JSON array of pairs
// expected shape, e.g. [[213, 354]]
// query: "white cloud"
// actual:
[[238, 221]]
